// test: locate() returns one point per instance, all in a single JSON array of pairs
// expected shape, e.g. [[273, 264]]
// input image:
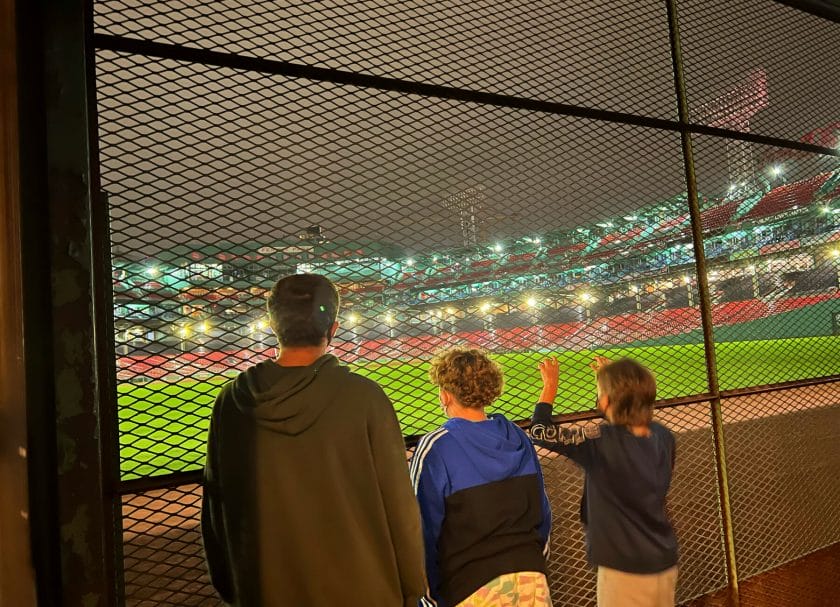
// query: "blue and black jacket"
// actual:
[[483, 504]]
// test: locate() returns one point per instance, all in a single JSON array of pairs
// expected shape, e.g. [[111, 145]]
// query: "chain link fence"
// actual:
[[506, 174]]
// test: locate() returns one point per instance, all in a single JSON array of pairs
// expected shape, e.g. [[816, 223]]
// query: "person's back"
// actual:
[[486, 518], [628, 464], [628, 479], [307, 496]]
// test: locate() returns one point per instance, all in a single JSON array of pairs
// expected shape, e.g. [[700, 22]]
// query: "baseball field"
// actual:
[[163, 424]]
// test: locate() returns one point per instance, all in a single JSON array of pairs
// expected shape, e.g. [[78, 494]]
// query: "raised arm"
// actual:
[[574, 443], [541, 427]]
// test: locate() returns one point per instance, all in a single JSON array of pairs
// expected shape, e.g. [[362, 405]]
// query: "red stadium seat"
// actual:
[[787, 197]]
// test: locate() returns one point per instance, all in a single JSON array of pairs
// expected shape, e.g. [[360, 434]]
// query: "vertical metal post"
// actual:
[[72, 541], [705, 304]]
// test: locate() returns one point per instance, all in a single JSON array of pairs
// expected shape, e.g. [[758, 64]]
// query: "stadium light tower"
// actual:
[[468, 204], [733, 111]]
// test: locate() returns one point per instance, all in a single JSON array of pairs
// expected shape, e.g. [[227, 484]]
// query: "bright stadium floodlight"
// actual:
[[532, 302], [587, 297], [826, 209], [751, 268], [634, 289], [537, 241], [775, 170], [498, 248], [450, 310], [686, 280], [261, 325], [434, 259], [732, 188], [485, 307], [153, 272], [409, 262], [835, 253], [184, 332], [389, 318], [352, 318], [204, 327]]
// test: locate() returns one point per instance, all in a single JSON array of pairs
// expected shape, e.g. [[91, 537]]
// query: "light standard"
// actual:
[[687, 282], [588, 299], [754, 278]]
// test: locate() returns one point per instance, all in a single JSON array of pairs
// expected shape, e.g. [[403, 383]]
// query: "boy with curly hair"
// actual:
[[628, 464], [486, 518]]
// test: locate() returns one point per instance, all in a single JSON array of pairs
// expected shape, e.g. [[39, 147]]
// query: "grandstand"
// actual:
[[620, 280]]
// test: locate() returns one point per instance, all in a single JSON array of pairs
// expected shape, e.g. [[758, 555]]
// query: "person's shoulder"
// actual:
[[660, 429], [664, 434], [433, 441], [359, 389], [342, 375]]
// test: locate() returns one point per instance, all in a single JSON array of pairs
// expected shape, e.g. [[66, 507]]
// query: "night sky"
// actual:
[[195, 154]]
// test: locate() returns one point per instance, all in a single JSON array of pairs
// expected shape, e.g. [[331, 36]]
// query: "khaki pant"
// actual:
[[620, 589]]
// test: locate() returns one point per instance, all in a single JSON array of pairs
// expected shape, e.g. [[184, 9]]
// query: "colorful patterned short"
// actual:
[[523, 589]]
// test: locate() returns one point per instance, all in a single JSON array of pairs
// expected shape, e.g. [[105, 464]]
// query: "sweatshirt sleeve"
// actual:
[[578, 444], [212, 520], [430, 480], [545, 525], [400, 503]]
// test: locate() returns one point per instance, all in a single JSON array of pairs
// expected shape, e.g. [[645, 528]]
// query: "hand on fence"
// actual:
[[550, 373], [599, 362]]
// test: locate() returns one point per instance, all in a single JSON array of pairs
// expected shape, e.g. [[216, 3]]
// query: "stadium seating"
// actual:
[[598, 332], [562, 249], [717, 217], [735, 312], [786, 197], [795, 303]]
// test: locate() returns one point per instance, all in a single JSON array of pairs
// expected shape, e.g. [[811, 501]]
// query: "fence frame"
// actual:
[[63, 55]]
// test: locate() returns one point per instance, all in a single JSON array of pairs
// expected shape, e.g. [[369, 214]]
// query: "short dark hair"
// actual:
[[302, 309], [631, 391]]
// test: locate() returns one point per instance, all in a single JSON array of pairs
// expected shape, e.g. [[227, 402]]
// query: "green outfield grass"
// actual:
[[163, 426]]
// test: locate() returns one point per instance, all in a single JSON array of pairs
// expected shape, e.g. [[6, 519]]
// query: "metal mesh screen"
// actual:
[[788, 507], [773, 260], [761, 67], [163, 559], [532, 200], [164, 564], [423, 211], [612, 55]]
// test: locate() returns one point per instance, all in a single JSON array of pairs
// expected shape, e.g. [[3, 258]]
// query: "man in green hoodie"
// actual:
[[307, 499]]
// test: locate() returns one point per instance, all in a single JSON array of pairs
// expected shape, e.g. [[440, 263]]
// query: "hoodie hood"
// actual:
[[288, 400], [496, 446]]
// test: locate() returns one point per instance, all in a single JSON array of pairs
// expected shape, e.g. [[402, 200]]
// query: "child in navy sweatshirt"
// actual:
[[480, 487], [628, 464]]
